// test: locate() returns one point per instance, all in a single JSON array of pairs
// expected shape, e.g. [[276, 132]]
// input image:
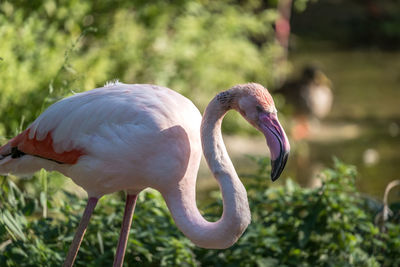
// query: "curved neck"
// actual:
[[182, 202]]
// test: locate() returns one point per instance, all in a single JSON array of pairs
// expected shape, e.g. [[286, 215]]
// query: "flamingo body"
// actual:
[[119, 137]]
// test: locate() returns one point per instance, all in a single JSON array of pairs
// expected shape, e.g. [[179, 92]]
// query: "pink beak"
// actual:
[[277, 142]]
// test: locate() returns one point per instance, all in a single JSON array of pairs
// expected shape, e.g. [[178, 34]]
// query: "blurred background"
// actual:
[[356, 45], [333, 67]]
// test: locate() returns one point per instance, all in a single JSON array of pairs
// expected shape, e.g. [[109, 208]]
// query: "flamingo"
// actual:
[[130, 137]]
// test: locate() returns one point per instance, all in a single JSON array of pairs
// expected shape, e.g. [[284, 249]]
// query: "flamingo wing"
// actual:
[[22, 145]]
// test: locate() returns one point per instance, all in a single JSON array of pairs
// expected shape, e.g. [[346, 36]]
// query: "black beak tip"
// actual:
[[278, 165]]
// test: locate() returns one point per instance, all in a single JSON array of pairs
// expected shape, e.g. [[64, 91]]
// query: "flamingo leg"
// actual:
[[80, 232], [126, 225]]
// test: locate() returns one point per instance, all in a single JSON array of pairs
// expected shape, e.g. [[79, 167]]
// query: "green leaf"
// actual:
[[13, 226]]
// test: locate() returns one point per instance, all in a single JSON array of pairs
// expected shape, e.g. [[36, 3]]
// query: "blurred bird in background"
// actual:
[[310, 96]]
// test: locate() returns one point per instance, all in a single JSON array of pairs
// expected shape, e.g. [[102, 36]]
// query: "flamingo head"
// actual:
[[256, 105]]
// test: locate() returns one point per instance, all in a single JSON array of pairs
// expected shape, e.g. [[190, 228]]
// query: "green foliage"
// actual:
[[326, 226], [291, 226]]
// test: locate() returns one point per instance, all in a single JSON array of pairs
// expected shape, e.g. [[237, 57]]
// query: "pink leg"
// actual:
[[126, 226], [80, 232]]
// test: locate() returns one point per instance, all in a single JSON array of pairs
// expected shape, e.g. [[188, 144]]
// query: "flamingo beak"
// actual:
[[277, 142]]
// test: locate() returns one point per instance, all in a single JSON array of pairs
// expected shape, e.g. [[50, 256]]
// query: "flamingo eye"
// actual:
[[259, 109]]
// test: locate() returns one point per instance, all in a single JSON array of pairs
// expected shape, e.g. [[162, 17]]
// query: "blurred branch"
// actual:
[[282, 36], [383, 216], [65, 65]]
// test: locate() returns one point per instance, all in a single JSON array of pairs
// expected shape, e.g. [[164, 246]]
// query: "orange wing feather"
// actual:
[[43, 148]]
